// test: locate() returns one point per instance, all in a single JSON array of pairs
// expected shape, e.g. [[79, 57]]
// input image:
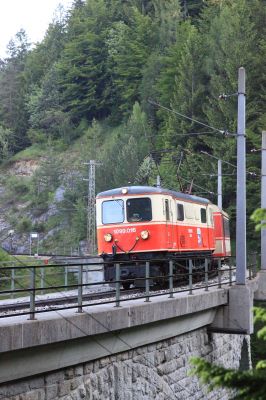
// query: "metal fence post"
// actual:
[[117, 285], [66, 276], [230, 275], [147, 281], [32, 294], [80, 287], [190, 268], [42, 279], [12, 282], [219, 274], [171, 279], [206, 275]]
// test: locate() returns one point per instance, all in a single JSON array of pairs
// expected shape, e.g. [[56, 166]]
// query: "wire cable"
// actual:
[[223, 132]]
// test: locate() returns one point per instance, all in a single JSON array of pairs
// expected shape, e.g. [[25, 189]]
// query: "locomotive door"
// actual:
[[169, 223]]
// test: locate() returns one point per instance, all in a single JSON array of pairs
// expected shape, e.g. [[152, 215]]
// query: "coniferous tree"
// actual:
[[13, 92]]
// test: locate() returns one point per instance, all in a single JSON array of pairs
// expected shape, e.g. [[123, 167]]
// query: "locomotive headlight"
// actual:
[[108, 237], [144, 235]]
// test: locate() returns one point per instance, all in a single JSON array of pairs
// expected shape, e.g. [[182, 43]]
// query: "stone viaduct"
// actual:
[[140, 350]]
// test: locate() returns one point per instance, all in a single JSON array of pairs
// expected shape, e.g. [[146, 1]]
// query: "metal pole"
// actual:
[[219, 273], [263, 199], [219, 188], [42, 279], [206, 274], [80, 288], [66, 276], [32, 294], [241, 182], [171, 280], [12, 282], [117, 285], [190, 268], [147, 281]]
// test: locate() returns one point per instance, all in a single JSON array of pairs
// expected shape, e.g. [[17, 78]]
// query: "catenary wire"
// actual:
[[223, 132]]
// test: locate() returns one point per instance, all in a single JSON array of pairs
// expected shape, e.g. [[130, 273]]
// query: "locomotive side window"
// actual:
[[226, 227], [167, 210], [139, 209], [203, 215], [180, 212], [113, 212]]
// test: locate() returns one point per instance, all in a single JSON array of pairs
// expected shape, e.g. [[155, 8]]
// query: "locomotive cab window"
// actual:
[[139, 209], [180, 212], [113, 212], [203, 215]]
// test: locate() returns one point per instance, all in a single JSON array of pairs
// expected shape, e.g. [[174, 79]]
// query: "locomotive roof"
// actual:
[[131, 190]]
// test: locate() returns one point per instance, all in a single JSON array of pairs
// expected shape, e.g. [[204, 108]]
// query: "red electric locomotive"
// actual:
[[149, 223]]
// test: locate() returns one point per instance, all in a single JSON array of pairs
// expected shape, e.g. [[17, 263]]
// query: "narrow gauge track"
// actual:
[[11, 307], [72, 299]]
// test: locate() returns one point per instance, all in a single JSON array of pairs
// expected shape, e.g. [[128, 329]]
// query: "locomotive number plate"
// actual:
[[125, 230]]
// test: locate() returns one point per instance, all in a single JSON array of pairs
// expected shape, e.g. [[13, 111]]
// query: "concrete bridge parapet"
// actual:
[[59, 339], [149, 343]]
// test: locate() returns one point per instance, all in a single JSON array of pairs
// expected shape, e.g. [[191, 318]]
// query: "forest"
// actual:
[[135, 85]]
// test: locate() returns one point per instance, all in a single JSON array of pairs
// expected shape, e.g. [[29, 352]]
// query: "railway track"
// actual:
[[66, 300], [61, 300]]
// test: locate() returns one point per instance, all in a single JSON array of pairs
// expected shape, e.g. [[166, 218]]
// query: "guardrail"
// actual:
[[33, 280]]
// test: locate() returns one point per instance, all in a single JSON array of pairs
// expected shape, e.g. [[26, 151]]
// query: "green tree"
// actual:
[[82, 70], [5, 142], [44, 182], [259, 217], [13, 92], [47, 118], [128, 47], [46, 53]]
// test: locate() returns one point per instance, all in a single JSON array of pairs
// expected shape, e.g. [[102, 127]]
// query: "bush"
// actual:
[[18, 186], [24, 225]]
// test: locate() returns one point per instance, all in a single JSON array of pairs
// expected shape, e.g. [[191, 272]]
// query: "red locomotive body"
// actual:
[[142, 222]]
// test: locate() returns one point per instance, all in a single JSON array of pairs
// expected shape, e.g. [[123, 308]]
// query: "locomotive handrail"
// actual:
[[191, 280]]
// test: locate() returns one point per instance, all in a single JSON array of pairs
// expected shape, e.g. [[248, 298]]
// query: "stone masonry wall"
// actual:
[[158, 371]]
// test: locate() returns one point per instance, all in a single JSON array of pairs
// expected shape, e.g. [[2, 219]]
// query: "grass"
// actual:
[[30, 153]]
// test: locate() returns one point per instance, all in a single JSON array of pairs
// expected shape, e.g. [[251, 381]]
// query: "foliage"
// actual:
[[85, 90], [24, 225], [18, 186], [4, 256], [259, 217], [249, 385]]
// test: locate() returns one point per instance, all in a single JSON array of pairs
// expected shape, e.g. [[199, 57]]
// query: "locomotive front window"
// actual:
[[113, 212], [139, 209]]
